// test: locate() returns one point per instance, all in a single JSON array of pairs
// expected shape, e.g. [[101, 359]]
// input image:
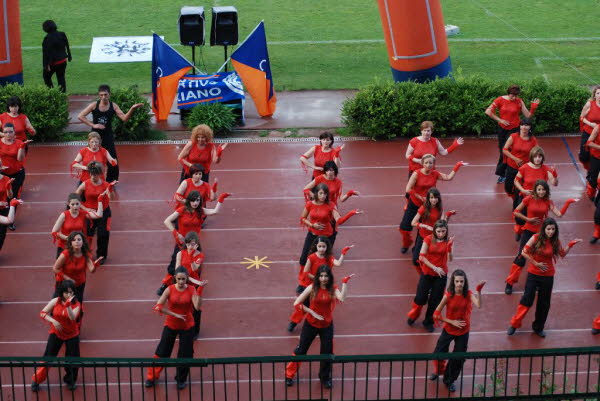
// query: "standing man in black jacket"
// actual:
[[56, 52]]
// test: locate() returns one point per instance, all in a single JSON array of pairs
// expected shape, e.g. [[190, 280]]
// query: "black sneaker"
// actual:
[[540, 333], [149, 383], [410, 321], [598, 285], [518, 237], [433, 376], [593, 240], [428, 327], [500, 180], [35, 387], [327, 383], [289, 382], [71, 386], [451, 387], [404, 250], [181, 385], [161, 289], [594, 332], [12, 227], [511, 330], [291, 326], [508, 289]]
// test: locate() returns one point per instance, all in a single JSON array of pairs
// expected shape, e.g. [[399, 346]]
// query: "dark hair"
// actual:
[[95, 168], [195, 168], [49, 26], [85, 248], [8, 125], [323, 187], [72, 196], [193, 196], [321, 238], [529, 122], [452, 289], [327, 135], [427, 204], [317, 285], [330, 165], [191, 236], [181, 269], [537, 151], [513, 90], [63, 286], [104, 88], [541, 238], [546, 187], [14, 101], [440, 224]]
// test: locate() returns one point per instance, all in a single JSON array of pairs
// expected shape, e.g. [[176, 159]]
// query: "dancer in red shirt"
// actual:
[[537, 207], [458, 301], [593, 144], [195, 183], [318, 215], [541, 251], [73, 219], [322, 153], [329, 178], [436, 252], [516, 149], [596, 322], [323, 295], [7, 212], [91, 153], [321, 253], [19, 120], [588, 120], [419, 183], [95, 190], [510, 107], [62, 312], [12, 154], [425, 144], [200, 150], [596, 234], [182, 299]]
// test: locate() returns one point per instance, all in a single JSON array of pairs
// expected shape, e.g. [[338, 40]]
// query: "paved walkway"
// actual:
[[299, 109]]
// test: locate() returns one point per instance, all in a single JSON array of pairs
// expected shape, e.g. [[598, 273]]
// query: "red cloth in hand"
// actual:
[[454, 146], [533, 107], [563, 210], [350, 193], [158, 308], [215, 186], [342, 220], [176, 236], [15, 202], [219, 150], [450, 213], [437, 318], [479, 287], [571, 243], [223, 196], [338, 152], [200, 259], [200, 290], [113, 163], [458, 165], [346, 279], [54, 238], [345, 250], [307, 194]]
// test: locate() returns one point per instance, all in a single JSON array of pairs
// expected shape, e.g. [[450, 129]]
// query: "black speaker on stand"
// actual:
[[191, 33], [224, 28]]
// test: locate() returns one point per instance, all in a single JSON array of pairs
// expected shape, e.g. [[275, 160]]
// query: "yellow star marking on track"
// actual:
[[256, 263]]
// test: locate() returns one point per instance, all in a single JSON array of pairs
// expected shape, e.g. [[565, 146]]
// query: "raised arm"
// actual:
[[338, 262], [124, 117], [216, 209]]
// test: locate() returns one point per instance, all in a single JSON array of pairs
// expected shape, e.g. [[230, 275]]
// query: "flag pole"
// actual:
[[224, 64], [241, 44]]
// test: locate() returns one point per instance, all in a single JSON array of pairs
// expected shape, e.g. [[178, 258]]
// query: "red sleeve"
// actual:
[[412, 142], [331, 260], [437, 174], [308, 206], [82, 153], [421, 210], [526, 200], [180, 210], [319, 179], [426, 240], [65, 253], [497, 103]]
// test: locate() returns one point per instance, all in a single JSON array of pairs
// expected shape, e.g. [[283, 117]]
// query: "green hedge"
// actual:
[[220, 118], [138, 126], [389, 110], [47, 109]]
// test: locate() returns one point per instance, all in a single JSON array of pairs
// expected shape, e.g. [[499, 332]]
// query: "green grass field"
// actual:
[[569, 49]]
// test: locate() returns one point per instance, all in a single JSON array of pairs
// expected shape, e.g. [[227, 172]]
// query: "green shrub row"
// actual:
[[219, 117], [137, 128], [457, 106], [47, 109]]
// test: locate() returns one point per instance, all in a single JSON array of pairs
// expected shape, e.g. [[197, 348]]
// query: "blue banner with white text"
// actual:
[[215, 88]]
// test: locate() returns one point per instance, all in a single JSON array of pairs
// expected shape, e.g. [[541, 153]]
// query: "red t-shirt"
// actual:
[[72, 224], [335, 188], [320, 214], [520, 148], [315, 263], [321, 158], [180, 302], [189, 221], [92, 192], [437, 254], [593, 151], [323, 304], [203, 189], [60, 314], [201, 156], [510, 110], [186, 261], [75, 267], [19, 122], [543, 255], [9, 154], [88, 156], [458, 307], [423, 184], [593, 116], [434, 215], [536, 208], [3, 192], [420, 149], [531, 174]]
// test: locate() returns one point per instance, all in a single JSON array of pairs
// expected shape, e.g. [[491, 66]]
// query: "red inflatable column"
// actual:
[[416, 39], [11, 65]]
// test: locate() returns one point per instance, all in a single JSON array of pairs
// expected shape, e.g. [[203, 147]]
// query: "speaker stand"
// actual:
[[225, 49], [194, 57]]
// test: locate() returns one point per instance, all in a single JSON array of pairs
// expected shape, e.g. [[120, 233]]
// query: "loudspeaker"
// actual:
[[224, 27], [191, 26]]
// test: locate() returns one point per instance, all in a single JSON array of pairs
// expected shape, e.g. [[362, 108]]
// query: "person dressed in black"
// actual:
[[103, 111], [56, 52]]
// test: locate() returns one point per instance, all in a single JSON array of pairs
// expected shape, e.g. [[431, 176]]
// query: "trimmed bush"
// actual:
[[387, 110], [138, 126], [47, 109], [217, 116]]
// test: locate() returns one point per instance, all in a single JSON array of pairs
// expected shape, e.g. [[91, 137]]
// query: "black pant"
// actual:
[[502, 135], [108, 143], [584, 154], [101, 228], [509, 184], [308, 241], [186, 348], [430, 291], [592, 175], [3, 227], [71, 349], [308, 334], [59, 69], [596, 213], [525, 237], [543, 285], [17, 184], [460, 345], [416, 251], [518, 198], [409, 215]]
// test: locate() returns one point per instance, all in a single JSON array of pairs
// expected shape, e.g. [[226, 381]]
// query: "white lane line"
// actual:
[[254, 338], [272, 298]]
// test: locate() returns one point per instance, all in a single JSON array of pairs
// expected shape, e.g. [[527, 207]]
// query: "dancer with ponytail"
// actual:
[[322, 153], [320, 254], [195, 183], [537, 206], [201, 150], [458, 301], [94, 152], [178, 302], [517, 149], [593, 144], [419, 183], [62, 312], [323, 295], [541, 251], [426, 144], [435, 254]]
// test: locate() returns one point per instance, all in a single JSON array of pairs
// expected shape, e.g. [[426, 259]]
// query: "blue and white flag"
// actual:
[[215, 88]]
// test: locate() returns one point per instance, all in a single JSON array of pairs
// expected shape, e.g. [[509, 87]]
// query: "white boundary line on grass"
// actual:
[[540, 64]]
